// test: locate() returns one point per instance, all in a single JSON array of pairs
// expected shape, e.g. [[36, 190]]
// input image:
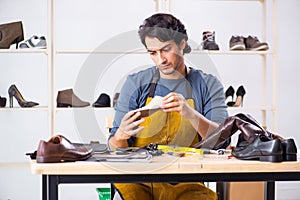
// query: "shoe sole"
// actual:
[[264, 158], [260, 48], [65, 105], [238, 47], [290, 157], [46, 159], [36, 47]]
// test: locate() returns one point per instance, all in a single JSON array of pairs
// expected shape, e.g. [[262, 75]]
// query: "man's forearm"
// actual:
[[202, 124]]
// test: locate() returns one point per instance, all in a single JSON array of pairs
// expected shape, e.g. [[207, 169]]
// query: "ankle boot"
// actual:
[[102, 101], [11, 33], [209, 42], [67, 98]]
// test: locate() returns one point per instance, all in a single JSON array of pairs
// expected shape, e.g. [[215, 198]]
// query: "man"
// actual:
[[193, 105]]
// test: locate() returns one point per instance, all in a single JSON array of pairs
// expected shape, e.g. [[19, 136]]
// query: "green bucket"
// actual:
[[104, 193]]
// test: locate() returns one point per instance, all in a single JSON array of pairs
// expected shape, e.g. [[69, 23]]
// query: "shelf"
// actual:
[[42, 108], [194, 51], [252, 108], [45, 51], [235, 0], [228, 52], [86, 108], [100, 52]]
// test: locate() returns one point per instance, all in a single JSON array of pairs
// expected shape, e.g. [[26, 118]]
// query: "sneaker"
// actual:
[[34, 42], [252, 43], [237, 43], [209, 41]]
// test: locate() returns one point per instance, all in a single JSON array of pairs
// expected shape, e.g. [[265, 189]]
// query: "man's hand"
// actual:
[[176, 102], [128, 125]]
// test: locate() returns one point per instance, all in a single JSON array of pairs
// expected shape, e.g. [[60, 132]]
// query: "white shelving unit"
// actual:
[[268, 58], [50, 120]]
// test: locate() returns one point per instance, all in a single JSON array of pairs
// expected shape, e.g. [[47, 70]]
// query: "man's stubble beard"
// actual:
[[173, 71]]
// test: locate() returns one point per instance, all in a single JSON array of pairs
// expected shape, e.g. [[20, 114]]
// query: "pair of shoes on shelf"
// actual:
[[34, 42], [14, 92], [208, 41], [251, 43], [60, 149], [11, 33], [67, 98], [254, 141], [240, 93]]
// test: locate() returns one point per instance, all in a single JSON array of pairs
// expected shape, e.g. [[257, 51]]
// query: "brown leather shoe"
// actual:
[[67, 98], [60, 149]]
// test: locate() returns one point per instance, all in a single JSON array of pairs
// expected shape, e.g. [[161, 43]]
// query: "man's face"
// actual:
[[167, 56]]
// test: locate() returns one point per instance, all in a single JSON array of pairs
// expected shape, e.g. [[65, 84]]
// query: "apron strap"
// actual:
[[153, 83], [156, 78]]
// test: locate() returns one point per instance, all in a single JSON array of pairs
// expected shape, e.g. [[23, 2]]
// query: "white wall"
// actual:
[[85, 25]]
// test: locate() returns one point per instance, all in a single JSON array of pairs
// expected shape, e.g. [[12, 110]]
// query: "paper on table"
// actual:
[[152, 107]]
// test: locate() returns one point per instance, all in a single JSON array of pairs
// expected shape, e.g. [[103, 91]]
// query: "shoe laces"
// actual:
[[209, 36], [237, 38], [254, 38]]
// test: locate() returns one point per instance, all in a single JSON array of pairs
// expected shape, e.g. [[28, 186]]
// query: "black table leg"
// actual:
[[44, 187], [270, 190], [52, 187]]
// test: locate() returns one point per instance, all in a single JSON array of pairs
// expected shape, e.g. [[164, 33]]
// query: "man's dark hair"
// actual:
[[165, 27]]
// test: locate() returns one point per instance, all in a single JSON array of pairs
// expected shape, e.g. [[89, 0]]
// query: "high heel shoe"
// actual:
[[11, 33], [2, 101], [229, 93], [239, 98], [14, 92]]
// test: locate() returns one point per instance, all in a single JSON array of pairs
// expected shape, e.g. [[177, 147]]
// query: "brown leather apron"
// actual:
[[166, 128]]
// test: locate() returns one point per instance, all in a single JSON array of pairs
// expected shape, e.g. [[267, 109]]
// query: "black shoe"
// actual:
[[229, 93], [2, 101], [289, 150], [102, 101], [262, 148], [240, 93], [14, 92], [209, 42]]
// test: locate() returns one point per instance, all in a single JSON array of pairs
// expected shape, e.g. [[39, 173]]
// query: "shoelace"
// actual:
[[209, 36], [254, 38], [237, 38]]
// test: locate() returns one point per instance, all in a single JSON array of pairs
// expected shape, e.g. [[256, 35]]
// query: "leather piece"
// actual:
[[248, 139], [60, 149], [243, 122]]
